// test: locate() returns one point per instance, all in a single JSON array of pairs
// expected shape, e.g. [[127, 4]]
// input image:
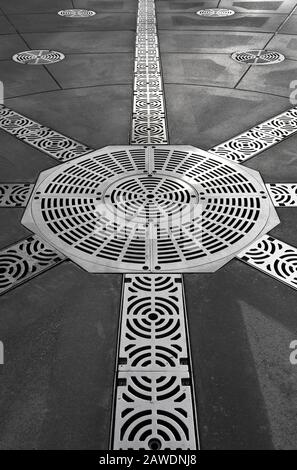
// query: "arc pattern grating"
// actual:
[[273, 257], [158, 209], [215, 12], [258, 138], [46, 140], [25, 260], [76, 13], [154, 396], [15, 194], [283, 194], [148, 118], [258, 57], [38, 57]]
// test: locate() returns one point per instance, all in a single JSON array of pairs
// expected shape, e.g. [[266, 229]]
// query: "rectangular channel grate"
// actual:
[[148, 118], [46, 140], [258, 138], [154, 397], [15, 194]]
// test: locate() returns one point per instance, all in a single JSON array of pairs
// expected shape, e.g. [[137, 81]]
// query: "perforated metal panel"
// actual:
[[15, 194], [76, 13], [38, 57], [160, 208], [154, 395], [258, 57], [283, 194], [215, 12]]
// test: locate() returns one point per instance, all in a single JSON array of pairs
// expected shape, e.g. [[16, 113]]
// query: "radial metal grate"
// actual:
[[24, 260], [15, 194], [38, 57], [76, 13], [165, 208], [154, 396], [46, 140], [215, 12], [283, 194], [258, 57], [258, 138], [273, 257]]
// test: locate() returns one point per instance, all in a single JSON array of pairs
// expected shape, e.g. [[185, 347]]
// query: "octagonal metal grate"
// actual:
[[258, 57], [38, 57], [215, 12], [76, 13], [160, 208]]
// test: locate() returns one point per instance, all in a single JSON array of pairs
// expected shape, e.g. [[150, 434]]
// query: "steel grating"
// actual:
[[46, 140], [160, 208], [258, 138], [38, 57], [215, 12], [15, 194], [154, 396], [76, 13], [283, 194], [148, 118], [25, 260], [258, 57], [273, 257]]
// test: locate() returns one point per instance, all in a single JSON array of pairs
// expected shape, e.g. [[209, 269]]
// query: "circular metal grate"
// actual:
[[137, 208], [215, 12], [258, 57], [76, 13], [38, 57]]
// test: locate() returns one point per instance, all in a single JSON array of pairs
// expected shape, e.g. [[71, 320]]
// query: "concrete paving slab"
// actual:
[[59, 372], [9, 44], [273, 79], [290, 27], [264, 6], [5, 26], [109, 5], [11, 228], [34, 6], [201, 69], [185, 6], [83, 70], [285, 44], [211, 41], [79, 42]]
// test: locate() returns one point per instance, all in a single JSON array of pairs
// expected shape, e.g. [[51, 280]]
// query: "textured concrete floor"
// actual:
[[60, 328]]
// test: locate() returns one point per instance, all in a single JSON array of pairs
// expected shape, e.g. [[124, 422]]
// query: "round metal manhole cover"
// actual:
[[215, 12], [258, 57], [159, 209], [76, 13], [38, 57]]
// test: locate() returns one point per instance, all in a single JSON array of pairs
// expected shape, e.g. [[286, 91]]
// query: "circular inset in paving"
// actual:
[[76, 13], [258, 57], [215, 12], [38, 57], [161, 209]]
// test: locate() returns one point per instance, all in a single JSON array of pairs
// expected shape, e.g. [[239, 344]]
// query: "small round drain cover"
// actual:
[[258, 57], [76, 13], [159, 209], [38, 57], [215, 12]]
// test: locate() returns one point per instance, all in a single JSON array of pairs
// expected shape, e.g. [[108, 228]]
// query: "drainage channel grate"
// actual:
[[148, 118], [15, 194], [154, 394], [258, 57], [215, 12], [166, 208], [46, 140], [283, 194], [38, 57], [76, 13], [273, 257], [258, 138], [24, 260]]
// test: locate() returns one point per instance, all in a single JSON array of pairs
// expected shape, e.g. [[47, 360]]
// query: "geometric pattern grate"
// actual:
[[215, 12], [258, 57], [154, 406], [76, 13], [283, 194], [258, 138], [15, 194], [38, 57], [46, 140], [273, 257], [25, 260]]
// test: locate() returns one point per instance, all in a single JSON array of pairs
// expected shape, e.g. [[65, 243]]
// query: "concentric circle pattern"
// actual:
[[258, 57], [38, 57], [77, 13], [148, 208], [215, 12]]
